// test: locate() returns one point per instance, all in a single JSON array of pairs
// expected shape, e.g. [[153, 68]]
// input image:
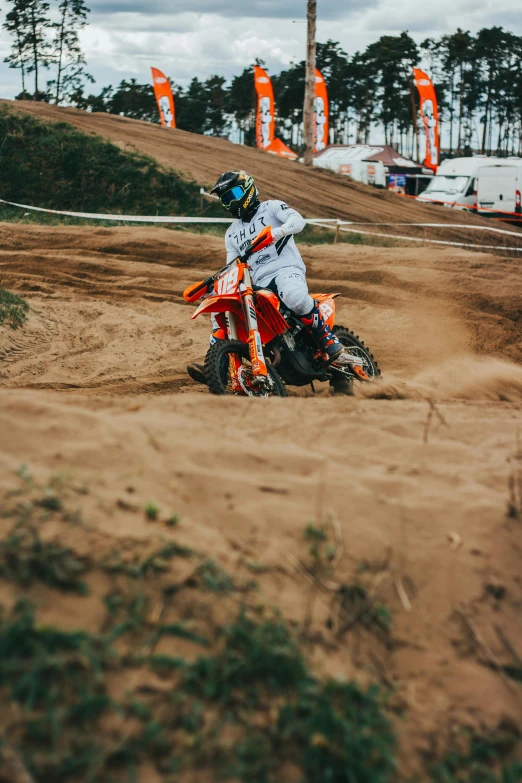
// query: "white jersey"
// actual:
[[266, 264]]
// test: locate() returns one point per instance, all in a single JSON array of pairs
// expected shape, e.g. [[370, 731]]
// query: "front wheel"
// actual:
[[229, 371]]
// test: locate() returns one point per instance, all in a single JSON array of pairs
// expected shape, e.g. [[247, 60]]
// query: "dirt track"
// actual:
[[109, 329], [317, 193]]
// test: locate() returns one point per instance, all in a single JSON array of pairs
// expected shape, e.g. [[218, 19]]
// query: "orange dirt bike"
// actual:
[[265, 344]]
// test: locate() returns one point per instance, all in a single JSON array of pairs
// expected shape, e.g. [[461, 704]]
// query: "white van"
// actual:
[[472, 183], [499, 189]]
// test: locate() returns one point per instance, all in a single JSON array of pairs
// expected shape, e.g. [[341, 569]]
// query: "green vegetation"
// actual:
[[54, 165], [13, 309], [481, 759], [151, 511], [26, 559]]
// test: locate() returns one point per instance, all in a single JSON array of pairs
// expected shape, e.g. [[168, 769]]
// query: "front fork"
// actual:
[[257, 357]]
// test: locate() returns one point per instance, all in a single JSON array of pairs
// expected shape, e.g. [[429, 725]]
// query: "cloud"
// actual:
[[262, 9], [188, 38]]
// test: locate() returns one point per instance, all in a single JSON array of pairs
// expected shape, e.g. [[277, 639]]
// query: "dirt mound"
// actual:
[[317, 193], [419, 494]]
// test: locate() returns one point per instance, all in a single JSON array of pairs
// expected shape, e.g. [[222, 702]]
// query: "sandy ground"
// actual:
[[317, 193], [419, 471]]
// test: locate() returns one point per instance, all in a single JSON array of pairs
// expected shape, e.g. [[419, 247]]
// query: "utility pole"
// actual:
[[308, 112]]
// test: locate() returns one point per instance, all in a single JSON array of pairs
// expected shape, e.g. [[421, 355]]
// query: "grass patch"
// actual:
[[26, 559], [215, 578], [151, 511], [117, 562], [481, 759], [13, 309]]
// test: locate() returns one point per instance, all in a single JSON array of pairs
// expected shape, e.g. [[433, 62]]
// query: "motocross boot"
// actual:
[[330, 346], [197, 372]]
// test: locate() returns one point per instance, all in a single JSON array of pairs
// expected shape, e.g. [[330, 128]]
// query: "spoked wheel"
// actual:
[[343, 384], [229, 371]]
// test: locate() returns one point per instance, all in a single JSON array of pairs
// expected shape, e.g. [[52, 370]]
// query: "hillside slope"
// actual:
[[315, 192]]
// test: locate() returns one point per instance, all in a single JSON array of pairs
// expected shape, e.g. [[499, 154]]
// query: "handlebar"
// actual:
[[196, 291]]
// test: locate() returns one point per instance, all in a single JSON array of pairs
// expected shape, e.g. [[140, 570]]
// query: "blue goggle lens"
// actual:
[[234, 194]]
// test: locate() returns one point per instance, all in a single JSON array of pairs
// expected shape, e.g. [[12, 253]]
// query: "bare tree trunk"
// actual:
[[461, 98], [34, 43], [21, 55], [60, 54], [414, 119], [452, 105], [308, 112], [486, 115]]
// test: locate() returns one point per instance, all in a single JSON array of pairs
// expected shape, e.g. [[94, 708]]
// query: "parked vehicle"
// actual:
[[499, 189], [490, 186]]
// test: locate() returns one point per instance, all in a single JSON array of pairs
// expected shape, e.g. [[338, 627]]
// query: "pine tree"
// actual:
[[68, 56], [17, 24], [38, 45]]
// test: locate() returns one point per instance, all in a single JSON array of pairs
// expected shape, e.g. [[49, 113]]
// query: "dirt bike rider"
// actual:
[[278, 267]]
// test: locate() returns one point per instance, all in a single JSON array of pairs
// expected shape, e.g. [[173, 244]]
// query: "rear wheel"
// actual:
[[221, 378], [343, 384]]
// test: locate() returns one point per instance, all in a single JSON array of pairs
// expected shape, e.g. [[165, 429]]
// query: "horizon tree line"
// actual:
[[478, 79]]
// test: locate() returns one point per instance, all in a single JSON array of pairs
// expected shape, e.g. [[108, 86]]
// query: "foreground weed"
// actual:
[[215, 578], [13, 309], [483, 761], [45, 667], [26, 559], [151, 511], [158, 561]]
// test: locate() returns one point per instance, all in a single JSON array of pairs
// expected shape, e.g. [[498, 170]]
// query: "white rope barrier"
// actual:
[[418, 239], [332, 223]]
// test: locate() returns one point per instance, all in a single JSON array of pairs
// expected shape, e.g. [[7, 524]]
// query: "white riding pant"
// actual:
[[292, 290]]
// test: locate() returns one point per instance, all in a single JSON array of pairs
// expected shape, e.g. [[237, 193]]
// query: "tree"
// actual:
[[38, 23], [392, 58], [68, 56], [28, 23], [17, 24], [240, 103], [192, 107], [134, 100], [216, 96], [289, 90], [308, 109]]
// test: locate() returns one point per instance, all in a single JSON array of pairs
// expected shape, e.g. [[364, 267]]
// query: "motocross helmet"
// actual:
[[238, 193]]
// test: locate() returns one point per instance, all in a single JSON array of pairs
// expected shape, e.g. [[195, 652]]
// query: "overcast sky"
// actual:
[[187, 38]]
